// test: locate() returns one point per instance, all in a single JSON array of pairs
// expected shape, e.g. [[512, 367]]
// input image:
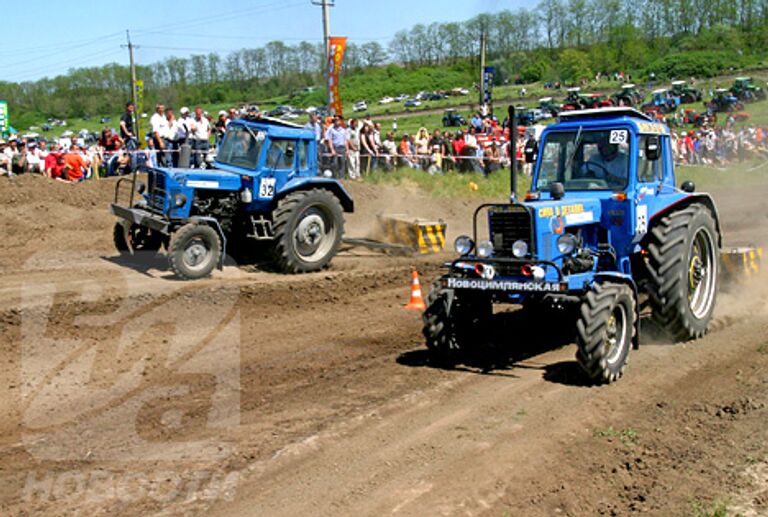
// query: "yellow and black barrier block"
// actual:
[[423, 235], [741, 262]]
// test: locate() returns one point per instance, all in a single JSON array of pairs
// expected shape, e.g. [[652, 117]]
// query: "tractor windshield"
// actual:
[[585, 160], [241, 147]]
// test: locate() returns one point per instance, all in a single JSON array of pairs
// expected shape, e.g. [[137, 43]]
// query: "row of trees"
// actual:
[[559, 39]]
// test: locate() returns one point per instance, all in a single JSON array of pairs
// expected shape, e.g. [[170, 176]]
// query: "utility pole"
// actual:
[[325, 4], [134, 93], [482, 65]]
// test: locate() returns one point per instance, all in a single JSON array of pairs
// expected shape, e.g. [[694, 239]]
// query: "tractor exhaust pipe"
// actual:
[[512, 153]]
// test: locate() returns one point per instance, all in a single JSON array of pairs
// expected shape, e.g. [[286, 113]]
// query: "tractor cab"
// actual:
[[602, 226]]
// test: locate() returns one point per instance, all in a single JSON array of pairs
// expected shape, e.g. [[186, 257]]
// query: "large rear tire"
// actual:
[[453, 322], [683, 262], [308, 228], [604, 331], [194, 251]]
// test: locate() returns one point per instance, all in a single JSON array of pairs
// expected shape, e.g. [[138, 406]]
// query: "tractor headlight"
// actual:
[[484, 249], [463, 244], [179, 200], [566, 243], [246, 196], [520, 249]]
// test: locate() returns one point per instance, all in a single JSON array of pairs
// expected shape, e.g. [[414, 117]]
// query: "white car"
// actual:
[[360, 106], [401, 98], [386, 100]]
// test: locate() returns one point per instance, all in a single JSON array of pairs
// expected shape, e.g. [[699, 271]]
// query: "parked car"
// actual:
[[401, 98], [436, 96], [360, 106], [386, 100], [413, 103], [451, 118], [104, 120], [459, 91]]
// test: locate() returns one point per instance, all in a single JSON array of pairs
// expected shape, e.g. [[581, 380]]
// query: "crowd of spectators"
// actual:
[[352, 148], [348, 149]]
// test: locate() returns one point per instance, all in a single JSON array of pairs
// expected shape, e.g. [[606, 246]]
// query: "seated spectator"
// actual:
[[492, 158], [54, 163], [108, 141], [5, 160], [18, 157], [74, 164], [119, 163]]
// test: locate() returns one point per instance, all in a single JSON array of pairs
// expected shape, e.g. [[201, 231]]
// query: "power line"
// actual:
[[81, 60]]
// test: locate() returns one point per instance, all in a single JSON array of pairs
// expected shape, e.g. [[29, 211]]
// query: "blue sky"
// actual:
[[53, 36]]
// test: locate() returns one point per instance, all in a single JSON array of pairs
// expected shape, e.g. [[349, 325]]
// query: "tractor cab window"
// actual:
[[281, 154], [303, 155], [241, 147], [585, 160], [648, 171]]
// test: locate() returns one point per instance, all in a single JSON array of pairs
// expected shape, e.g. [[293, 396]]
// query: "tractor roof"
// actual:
[[676, 83], [574, 89], [628, 86], [603, 113], [660, 90], [721, 90], [545, 99], [744, 78], [276, 127]]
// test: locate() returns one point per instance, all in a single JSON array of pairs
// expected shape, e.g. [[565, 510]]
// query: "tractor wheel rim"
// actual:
[[702, 274], [196, 254], [315, 234], [615, 334]]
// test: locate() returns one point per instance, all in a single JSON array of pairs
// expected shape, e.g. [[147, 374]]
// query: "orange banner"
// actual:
[[335, 55]]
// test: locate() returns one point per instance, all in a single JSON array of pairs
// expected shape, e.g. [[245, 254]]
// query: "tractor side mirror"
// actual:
[[688, 186], [557, 190], [652, 148]]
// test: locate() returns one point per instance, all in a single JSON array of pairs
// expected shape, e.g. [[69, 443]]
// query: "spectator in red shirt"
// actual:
[[54, 163], [109, 141], [74, 164]]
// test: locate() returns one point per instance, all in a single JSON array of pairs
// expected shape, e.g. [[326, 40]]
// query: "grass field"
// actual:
[[497, 185]]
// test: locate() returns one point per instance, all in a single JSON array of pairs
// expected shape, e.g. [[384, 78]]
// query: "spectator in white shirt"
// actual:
[[200, 137], [160, 134]]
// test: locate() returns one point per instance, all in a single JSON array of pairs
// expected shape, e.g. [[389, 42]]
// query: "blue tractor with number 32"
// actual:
[[264, 192], [604, 229]]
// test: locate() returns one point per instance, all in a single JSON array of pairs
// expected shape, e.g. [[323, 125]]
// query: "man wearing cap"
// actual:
[[200, 137]]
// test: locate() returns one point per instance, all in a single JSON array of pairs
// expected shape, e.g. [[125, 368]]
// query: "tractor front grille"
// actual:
[[157, 192], [509, 224]]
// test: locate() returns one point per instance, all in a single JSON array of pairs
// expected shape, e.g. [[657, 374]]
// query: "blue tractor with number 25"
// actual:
[[263, 193], [604, 229]]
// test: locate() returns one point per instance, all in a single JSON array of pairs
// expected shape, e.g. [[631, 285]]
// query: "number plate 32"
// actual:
[[267, 188]]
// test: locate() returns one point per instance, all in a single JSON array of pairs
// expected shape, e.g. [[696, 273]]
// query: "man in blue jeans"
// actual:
[[336, 136]]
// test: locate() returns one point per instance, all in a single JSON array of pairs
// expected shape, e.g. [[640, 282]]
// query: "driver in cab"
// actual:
[[610, 164]]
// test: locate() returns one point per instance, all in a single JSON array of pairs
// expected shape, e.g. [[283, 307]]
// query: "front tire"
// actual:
[[452, 322], [308, 228], [604, 331], [683, 262], [130, 238], [194, 251]]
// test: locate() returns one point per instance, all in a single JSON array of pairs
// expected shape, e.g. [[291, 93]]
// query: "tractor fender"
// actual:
[[621, 278], [697, 197], [308, 183]]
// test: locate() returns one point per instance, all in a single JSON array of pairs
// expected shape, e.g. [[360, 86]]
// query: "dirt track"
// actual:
[[257, 394]]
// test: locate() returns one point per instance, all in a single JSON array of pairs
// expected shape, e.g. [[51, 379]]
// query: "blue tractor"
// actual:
[[263, 193], [604, 230]]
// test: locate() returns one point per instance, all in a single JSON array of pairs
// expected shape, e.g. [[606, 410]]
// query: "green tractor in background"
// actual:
[[687, 93], [744, 90], [629, 96]]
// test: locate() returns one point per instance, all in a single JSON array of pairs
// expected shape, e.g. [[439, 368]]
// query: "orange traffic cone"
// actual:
[[416, 301]]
